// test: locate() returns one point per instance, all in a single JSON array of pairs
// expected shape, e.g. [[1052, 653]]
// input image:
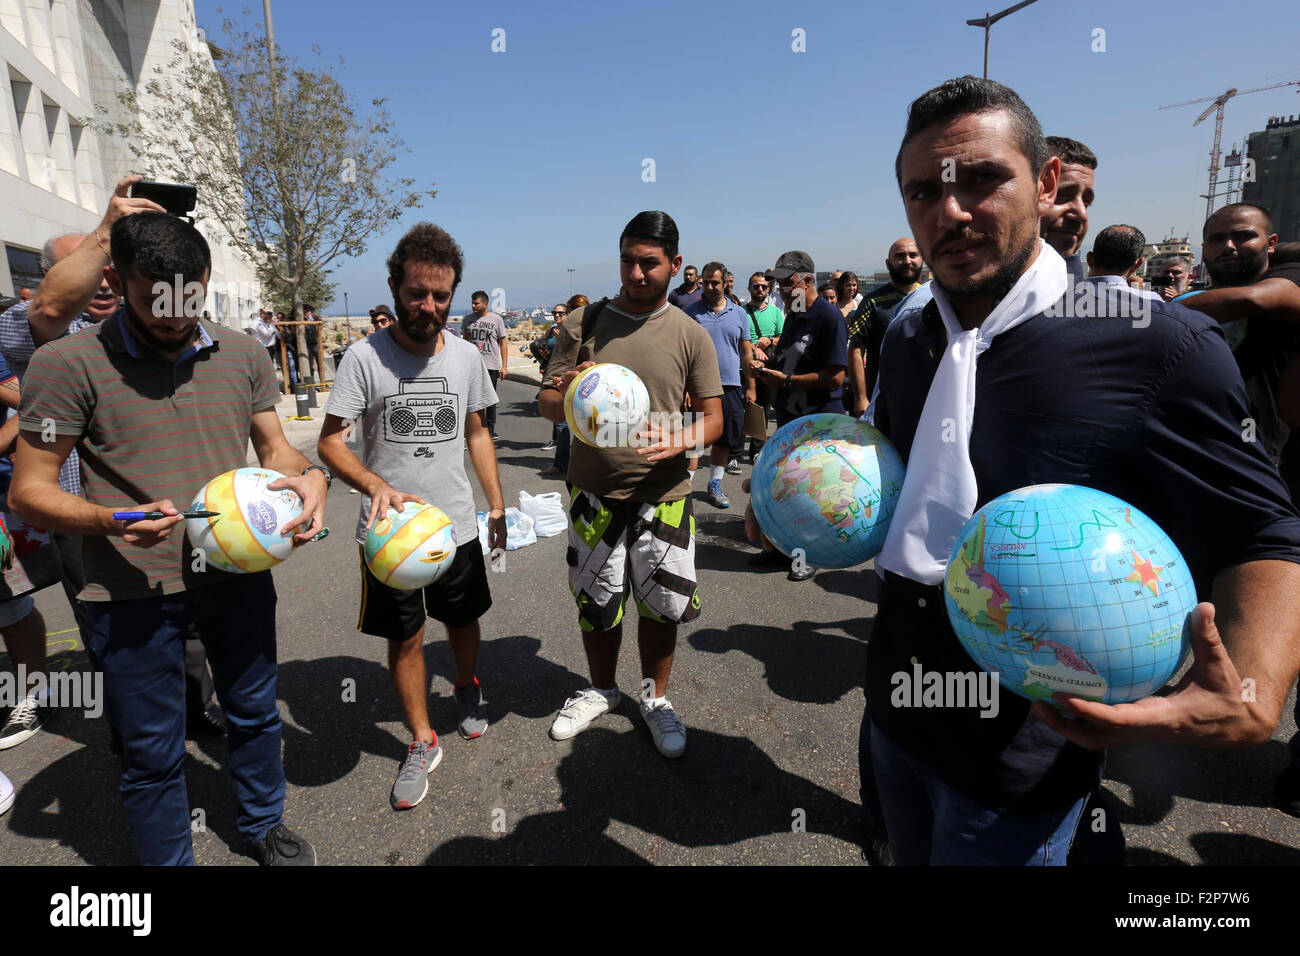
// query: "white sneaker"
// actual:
[[578, 712], [666, 727], [6, 793]]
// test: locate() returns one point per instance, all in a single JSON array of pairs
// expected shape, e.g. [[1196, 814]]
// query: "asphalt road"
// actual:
[[768, 682]]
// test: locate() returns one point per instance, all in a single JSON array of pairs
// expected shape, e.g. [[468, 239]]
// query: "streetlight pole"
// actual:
[[347, 317], [987, 21], [570, 282]]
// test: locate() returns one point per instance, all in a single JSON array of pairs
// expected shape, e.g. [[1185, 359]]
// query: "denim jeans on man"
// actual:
[[930, 823], [141, 647], [560, 435]]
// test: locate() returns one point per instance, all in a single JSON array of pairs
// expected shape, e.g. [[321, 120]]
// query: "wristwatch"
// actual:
[[329, 479]]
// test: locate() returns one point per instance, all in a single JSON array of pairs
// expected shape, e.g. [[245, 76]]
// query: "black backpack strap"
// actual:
[[589, 316]]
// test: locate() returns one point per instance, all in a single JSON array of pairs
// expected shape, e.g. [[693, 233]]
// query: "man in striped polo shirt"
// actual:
[[158, 403]]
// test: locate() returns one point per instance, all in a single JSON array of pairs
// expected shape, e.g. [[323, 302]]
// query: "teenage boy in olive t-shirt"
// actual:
[[632, 505]]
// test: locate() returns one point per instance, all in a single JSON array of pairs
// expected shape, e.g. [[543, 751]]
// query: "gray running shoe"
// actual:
[[413, 777], [472, 707], [23, 723]]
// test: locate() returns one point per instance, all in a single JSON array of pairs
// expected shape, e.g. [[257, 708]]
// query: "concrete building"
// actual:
[[59, 61], [1276, 155], [1158, 253]]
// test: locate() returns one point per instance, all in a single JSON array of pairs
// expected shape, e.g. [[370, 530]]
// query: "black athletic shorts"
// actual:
[[458, 598], [733, 418]]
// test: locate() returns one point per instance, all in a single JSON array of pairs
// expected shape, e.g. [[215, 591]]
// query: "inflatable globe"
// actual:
[[246, 537], [827, 484], [411, 548], [1065, 588], [606, 406]]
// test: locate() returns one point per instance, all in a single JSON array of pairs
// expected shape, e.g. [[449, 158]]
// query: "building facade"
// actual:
[[61, 61], [1275, 152]]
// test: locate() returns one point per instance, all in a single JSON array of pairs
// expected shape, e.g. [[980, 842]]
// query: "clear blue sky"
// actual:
[[537, 152]]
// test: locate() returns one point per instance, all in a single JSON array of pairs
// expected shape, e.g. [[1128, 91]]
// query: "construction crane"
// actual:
[[1216, 106]]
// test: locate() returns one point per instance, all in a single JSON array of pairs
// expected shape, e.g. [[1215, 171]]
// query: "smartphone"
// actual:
[[177, 199]]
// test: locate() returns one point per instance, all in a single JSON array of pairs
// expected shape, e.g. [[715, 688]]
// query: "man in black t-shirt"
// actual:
[[1258, 308], [868, 322], [1256, 297]]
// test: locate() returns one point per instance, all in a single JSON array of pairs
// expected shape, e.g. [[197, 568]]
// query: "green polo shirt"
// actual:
[[766, 322], [149, 428]]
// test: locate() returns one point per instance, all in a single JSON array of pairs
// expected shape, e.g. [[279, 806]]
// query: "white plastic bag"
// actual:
[[547, 512], [519, 530]]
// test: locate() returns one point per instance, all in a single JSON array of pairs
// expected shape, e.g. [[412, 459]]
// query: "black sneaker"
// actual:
[[282, 847], [208, 720], [1288, 790], [876, 852]]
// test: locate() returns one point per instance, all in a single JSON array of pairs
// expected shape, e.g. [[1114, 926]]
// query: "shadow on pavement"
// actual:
[[332, 733], [816, 663], [1157, 774], [75, 802], [609, 778]]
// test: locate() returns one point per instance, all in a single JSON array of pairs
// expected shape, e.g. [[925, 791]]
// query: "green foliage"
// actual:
[[292, 175]]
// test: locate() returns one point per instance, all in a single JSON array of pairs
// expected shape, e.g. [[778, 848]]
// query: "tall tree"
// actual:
[[281, 160]]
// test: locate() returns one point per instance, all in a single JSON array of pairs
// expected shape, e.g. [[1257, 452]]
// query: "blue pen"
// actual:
[[156, 515]]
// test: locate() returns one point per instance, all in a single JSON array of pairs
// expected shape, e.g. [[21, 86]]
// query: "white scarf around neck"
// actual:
[[939, 488]]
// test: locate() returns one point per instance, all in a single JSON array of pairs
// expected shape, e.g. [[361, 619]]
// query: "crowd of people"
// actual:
[[1051, 364]]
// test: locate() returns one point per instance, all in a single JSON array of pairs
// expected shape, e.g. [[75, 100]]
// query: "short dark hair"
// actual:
[[828, 287], [425, 242], [1233, 207], [1071, 151], [160, 247], [1117, 248], [479, 294], [654, 226], [309, 308], [711, 267], [969, 94]]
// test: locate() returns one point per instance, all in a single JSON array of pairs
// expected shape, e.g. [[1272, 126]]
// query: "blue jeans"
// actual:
[[141, 647], [561, 436], [930, 823]]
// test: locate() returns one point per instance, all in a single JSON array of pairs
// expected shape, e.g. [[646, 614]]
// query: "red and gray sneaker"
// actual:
[[472, 707], [413, 777]]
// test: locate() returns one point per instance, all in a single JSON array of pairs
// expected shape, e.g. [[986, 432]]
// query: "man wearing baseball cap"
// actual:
[[806, 368]]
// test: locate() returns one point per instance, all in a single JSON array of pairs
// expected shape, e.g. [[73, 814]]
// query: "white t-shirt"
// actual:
[[410, 412]]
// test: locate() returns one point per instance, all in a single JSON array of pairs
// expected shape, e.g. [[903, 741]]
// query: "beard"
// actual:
[[142, 333], [1000, 282], [416, 328], [903, 275], [1245, 270]]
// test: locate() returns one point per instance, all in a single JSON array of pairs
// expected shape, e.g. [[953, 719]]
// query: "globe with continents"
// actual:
[[1066, 588], [827, 484]]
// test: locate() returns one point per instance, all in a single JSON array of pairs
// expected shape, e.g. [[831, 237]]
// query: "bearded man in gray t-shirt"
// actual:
[[418, 397]]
